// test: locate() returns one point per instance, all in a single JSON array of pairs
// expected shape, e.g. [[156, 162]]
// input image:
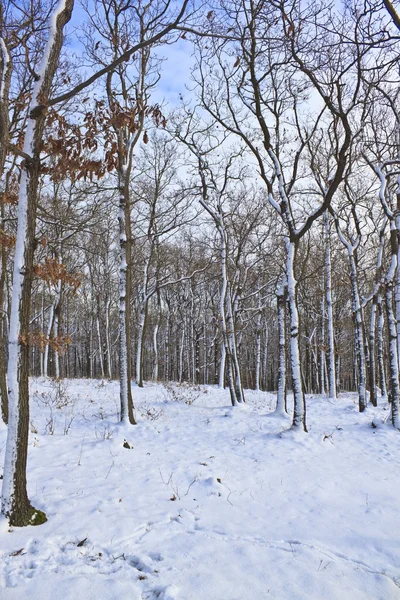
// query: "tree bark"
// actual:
[[15, 503], [299, 404], [127, 414], [329, 312], [281, 298]]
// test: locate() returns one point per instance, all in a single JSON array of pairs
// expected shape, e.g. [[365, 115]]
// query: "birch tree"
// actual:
[[15, 502], [381, 151], [329, 310], [16, 75], [351, 242]]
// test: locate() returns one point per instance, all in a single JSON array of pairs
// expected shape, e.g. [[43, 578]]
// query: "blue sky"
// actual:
[[175, 69]]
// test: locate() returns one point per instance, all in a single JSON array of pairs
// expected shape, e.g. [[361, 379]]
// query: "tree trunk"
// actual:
[[374, 310], [392, 332], [155, 343], [108, 340], [359, 335], [299, 411], [140, 344], [281, 296], [127, 415], [373, 396], [3, 365], [265, 359], [15, 503], [222, 363], [329, 312], [258, 345], [379, 342]]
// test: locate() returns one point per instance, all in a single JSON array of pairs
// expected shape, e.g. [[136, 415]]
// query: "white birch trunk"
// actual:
[[281, 394], [224, 324], [331, 366], [380, 356], [181, 352], [372, 324], [359, 334], [321, 363], [108, 339], [392, 332], [265, 359], [100, 346], [221, 383], [48, 335], [143, 307], [123, 358], [56, 328], [139, 351], [155, 339], [230, 323], [258, 345], [91, 349], [299, 411], [14, 500]]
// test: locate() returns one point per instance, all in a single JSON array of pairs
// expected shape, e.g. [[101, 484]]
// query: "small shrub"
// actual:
[[181, 392], [150, 412], [55, 399], [103, 432]]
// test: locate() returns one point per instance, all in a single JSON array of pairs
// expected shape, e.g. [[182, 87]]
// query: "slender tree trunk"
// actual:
[[299, 412], [181, 353], [57, 320], [140, 343], [227, 326], [372, 326], [281, 296], [231, 332], [127, 415], [372, 367], [258, 345], [5, 78], [265, 357], [329, 312], [3, 365], [321, 361], [224, 325], [108, 340], [92, 363], [100, 345], [222, 364], [359, 335], [143, 310], [338, 367], [392, 333], [15, 504], [322, 353], [380, 356], [166, 345], [48, 336], [155, 342]]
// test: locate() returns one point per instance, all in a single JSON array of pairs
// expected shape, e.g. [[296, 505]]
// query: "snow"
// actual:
[[210, 502]]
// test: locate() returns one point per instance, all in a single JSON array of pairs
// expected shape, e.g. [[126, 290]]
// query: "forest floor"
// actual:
[[209, 503]]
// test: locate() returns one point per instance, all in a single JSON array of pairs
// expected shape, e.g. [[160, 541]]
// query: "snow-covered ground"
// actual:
[[209, 503]]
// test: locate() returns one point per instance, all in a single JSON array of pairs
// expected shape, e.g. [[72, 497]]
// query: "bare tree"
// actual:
[[15, 503]]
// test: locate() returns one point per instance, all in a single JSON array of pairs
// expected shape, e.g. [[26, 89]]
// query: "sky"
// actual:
[[175, 69]]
